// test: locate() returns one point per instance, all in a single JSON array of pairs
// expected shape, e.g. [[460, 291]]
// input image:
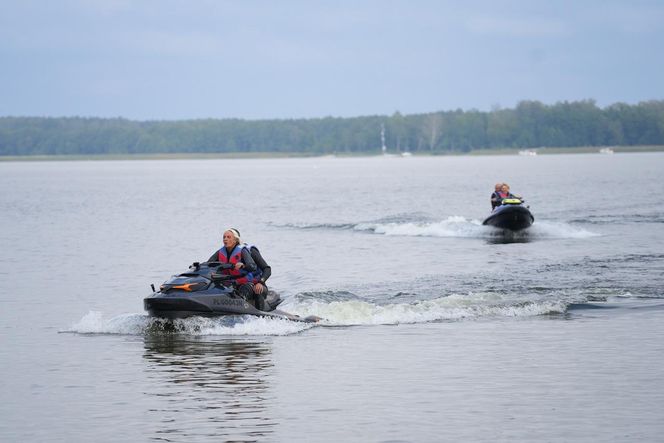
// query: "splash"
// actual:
[[453, 226], [450, 308], [458, 226], [546, 229], [339, 312], [139, 324], [344, 308]]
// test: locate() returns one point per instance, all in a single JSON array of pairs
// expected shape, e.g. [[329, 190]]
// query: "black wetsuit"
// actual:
[[266, 271], [495, 200], [261, 263]]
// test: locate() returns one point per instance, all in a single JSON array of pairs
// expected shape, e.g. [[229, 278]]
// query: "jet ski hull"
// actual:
[[211, 304], [202, 292], [510, 217]]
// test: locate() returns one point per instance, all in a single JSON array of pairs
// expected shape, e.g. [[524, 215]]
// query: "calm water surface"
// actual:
[[437, 328]]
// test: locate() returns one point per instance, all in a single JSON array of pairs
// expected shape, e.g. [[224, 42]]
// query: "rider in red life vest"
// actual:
[[505, 193], [244, 268]]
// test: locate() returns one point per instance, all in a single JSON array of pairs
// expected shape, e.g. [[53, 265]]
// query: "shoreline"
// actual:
[[270, 155]]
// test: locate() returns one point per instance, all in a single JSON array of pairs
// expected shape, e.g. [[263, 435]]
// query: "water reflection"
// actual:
[[209, 387], [504, 236]]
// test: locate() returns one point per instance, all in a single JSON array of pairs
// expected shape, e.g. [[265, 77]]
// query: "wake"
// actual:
[[142, 324], [339, 309], [461, 227]]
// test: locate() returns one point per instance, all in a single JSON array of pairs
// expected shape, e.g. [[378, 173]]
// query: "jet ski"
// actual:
[[204, 290], [512, 214]]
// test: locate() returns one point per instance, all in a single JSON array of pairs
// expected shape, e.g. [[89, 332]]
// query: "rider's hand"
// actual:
[[238, 265], [258, 288]]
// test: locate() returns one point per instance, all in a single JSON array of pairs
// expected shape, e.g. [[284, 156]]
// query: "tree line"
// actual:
[[530, 124]]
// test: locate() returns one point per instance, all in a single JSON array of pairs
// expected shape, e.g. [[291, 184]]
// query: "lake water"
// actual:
[[436, 327]]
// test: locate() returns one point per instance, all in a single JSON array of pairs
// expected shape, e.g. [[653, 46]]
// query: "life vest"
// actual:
[[236, 257]]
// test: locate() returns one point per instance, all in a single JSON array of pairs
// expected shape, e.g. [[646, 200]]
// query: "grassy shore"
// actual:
[[245, 155]]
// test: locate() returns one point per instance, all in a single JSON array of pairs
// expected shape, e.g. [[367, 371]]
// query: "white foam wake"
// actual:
[[454, 307], [546, 229], [458, 226], [138, 324], [334, 313], [453, 226]]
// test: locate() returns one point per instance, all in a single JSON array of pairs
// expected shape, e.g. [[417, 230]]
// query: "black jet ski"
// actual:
[[512, 214], [203, 290]]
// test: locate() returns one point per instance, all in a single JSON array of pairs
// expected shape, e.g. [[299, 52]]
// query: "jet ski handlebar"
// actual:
[[223, 278], [211, 264], [216, 266]]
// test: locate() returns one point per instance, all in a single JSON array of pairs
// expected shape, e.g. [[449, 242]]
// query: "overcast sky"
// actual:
[[166, 59]]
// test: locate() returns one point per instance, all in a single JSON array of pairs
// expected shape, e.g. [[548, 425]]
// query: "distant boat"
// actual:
[[606, 151], [383, 147], [528, 152]]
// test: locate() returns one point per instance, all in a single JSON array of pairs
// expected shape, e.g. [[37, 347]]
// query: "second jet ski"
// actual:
[[512, 215]]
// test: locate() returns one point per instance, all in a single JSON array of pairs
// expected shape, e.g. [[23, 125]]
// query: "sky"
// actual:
[[281, 59]]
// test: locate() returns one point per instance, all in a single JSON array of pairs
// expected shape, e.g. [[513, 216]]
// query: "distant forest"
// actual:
[[530, 124]]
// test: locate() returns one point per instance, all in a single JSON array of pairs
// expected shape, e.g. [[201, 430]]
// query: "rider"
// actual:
[[495, 197], [263, 273], [245, 268], [505, 193]]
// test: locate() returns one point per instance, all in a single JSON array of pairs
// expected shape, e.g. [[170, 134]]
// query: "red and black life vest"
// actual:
[[236, 257]]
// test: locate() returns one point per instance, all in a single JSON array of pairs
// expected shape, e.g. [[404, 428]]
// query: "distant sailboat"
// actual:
[[384, 147], [382, 141]]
